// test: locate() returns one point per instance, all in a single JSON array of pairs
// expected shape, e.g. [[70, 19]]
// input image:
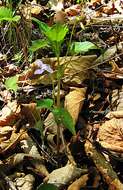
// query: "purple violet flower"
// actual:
[[42, 67]]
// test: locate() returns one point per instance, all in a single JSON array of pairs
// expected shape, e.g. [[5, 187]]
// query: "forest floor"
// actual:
[[61, 97]]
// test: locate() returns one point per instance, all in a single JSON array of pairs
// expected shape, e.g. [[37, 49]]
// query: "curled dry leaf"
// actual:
[[26, 182], [9, 113], [74, 102], [63, 176], [110, 135], [8, 145], [79, 183]]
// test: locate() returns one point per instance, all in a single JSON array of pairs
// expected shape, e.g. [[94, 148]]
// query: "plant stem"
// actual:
[[59, 85], [58, 106]]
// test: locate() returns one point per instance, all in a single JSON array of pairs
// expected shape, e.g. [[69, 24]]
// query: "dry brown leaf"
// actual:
[[116, 114], [74, 102], [8, 145], [79, 183], [73, 10], [31, 113], [63, 176], [110, 135], [9, 113], [76, 70], [26, 182]]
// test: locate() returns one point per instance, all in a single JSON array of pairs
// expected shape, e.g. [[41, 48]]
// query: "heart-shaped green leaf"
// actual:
[[82, 47], [62, 116]]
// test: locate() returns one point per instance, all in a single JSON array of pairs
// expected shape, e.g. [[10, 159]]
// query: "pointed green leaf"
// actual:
[[82, 47], [37, 44], [57, 32], [11, 83], [47, 187], [43, 27], [45, 103], [62, 116]]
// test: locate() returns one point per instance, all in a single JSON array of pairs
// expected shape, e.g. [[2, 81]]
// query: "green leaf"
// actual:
[[42, 26], [62, 116], [6, 14], [82, 47], [47, 187], [57, 33], [45, 103], [11, 83], [37, 44], [16, 18]]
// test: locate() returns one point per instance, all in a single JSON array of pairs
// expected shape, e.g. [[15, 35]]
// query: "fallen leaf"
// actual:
[[74, 102], [110, 135], [79, 183], [63, 176], [9, 113]]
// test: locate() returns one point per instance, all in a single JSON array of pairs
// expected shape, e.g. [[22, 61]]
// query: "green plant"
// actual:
[[55, 36], [61, 115]]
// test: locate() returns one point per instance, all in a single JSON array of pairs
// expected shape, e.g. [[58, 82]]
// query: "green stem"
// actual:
[[58, 106]]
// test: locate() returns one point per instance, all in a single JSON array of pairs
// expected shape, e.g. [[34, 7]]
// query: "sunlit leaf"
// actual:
[[11, 83], [62, 116], [57, 32], [47, 187], [6, 14], [82, 47], [37, 44], [45, 103]]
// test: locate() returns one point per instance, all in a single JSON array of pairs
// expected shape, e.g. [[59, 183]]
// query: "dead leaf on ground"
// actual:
[[26, 182], [10, 144], [109, 53], [110, 135], [74, 102], [9, 113], [79, 183], [63, 176], [31, 113], [76, 70]]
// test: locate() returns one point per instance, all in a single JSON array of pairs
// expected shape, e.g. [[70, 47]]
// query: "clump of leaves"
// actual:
[[54, 36], [6, 14]]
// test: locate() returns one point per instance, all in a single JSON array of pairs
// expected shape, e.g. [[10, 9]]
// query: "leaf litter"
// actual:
[[39, 146]]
